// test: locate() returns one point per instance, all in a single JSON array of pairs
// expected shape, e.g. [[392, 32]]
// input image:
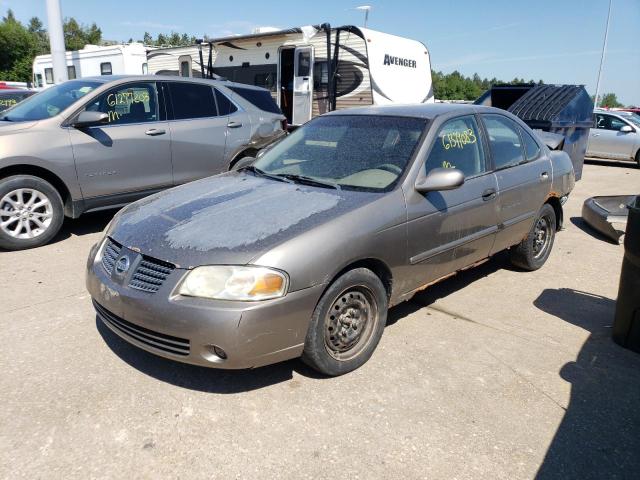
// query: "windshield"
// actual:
[[633, 118], [357, 152], [50, 102]]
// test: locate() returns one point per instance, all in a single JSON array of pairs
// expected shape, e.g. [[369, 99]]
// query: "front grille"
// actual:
[[154, 340], [110, 254], [150, 274]]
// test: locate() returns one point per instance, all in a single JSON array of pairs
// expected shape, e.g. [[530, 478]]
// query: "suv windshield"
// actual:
[[357, 152], [50, 102]]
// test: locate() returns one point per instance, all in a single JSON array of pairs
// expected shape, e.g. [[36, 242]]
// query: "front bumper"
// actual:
[[186, 329], [607, 215]]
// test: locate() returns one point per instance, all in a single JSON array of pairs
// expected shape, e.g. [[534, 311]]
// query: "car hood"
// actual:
[[11, 127], [227, 219]]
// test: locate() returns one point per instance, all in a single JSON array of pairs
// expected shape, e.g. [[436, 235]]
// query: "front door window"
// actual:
[[130, 103]]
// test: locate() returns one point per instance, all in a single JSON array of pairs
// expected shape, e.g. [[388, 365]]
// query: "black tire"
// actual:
[[51, 215], [533, 251], [638, 159], [338, 344]]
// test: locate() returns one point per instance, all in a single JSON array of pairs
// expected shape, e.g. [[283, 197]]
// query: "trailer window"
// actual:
[[71, 72], [259, 98], [105, 68], [48, 75], [304, 63], [38, 80], [192, 100], [320, 75], [145, 68], [225, 106], [185, 65]]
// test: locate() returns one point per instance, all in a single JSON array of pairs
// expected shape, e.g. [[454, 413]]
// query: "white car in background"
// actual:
[[615, 135]]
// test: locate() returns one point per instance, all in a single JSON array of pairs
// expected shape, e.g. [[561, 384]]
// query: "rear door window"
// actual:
[[129, 103], [531, 147], [225, 106], [260, 98], [504, 140], [192, 100], [458, 145]]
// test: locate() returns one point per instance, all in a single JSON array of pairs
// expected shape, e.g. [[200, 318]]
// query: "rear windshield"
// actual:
[[260, 98]]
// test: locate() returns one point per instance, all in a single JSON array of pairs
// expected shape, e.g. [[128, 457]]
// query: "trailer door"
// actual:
[[302, 85]]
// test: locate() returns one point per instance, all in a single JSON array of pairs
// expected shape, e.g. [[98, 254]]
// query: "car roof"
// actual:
[[15, 90], [171, 78], [424, 110]]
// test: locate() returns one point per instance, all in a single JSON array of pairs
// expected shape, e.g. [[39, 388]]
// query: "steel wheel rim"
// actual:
[[350, 322], [541, 237], [25, 213]]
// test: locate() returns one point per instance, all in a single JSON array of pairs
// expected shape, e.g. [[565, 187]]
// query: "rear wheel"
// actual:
[[638, 158], [31, 212], [347, 323], [534, 250]]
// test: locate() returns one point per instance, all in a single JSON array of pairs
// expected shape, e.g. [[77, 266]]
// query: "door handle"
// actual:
[[234, 124], [595, 134], [544, 176], [489, 194], [152, 132]]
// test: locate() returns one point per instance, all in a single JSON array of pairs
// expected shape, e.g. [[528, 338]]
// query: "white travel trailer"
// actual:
[[312, 70], [93, 60]]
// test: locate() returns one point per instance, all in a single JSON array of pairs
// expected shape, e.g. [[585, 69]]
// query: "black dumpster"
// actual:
[[563, 109], [626, 326]]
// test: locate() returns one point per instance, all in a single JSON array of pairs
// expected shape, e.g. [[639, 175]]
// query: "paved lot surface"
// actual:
[[495, 374]]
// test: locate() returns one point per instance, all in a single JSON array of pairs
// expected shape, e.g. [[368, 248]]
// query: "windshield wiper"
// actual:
[[262, 173], [309, 181]]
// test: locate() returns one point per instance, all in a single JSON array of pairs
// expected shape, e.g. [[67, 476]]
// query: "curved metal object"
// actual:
[[608, 215]]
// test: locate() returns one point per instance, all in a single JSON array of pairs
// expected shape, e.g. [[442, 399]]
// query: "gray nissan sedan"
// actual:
[[302, 252]]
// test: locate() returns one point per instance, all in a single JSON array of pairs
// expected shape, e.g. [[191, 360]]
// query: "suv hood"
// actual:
[[227, 219], [10, 127]]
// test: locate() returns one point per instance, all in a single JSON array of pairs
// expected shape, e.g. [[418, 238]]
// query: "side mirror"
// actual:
[[440, 179], [626, 129], [90, 119]]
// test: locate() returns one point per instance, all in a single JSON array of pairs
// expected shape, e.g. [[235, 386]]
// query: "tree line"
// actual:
[[19, 44]]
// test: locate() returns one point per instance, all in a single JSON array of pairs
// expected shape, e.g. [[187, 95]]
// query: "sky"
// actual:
[[559, 41]]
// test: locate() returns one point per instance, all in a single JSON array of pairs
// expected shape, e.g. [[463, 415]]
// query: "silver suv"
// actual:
[[615, 135], [101, 142]]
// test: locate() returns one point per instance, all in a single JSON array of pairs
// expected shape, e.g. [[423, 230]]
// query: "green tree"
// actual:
[[609, 100], [41, 36], [18, 47], [76, 36], [147, 39]]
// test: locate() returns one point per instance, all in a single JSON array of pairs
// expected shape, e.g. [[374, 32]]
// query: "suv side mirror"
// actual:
[[626, 129], [90, 119], [440, 179]]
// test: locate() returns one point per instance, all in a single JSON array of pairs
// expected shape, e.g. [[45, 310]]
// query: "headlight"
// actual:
[[234, 283]]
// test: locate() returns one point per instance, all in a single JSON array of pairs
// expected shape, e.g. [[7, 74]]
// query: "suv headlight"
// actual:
[[226, 282]]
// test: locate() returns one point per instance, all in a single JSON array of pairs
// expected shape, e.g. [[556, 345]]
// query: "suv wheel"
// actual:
[[31, 212], [347, 323], [534, 250]]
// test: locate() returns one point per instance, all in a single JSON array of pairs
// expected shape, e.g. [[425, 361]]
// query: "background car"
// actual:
[[302, 253], [12, 96], [615, 135], [103, 142]]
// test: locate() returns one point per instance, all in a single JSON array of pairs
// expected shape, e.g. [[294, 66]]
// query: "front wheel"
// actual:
[[347, 323], [31, 212], [533, 251]]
